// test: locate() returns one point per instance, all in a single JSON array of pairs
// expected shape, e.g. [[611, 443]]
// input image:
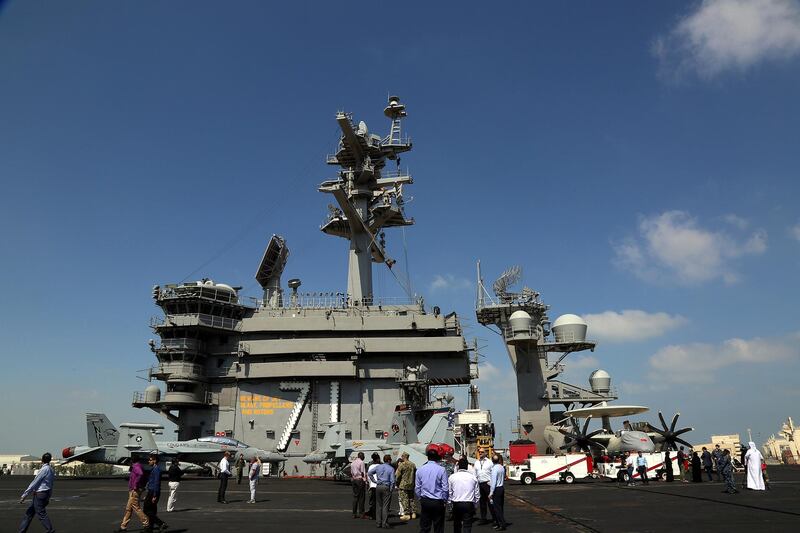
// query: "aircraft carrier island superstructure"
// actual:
[[270, 373]]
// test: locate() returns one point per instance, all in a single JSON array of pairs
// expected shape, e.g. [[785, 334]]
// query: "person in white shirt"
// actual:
[[497, 492], [376, 462], [464, 495], [483, 472], [224, 474], [252, 476], [629, 467]]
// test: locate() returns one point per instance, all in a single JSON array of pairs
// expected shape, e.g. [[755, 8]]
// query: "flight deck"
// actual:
[[305, 505]]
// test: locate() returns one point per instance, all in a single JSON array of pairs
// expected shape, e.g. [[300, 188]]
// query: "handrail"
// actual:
[[203, 319]]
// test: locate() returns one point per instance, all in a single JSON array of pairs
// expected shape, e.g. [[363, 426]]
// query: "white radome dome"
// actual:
[[569, 319]]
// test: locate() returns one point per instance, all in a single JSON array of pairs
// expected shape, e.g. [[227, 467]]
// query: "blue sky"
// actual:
[[638, 159]]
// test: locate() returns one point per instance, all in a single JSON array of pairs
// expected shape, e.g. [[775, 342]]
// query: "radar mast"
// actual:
[[369, 197]]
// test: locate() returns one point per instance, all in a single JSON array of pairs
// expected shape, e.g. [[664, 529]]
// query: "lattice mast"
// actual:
[[369, 197]]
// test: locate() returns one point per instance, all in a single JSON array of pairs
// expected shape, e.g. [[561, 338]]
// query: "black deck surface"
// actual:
[[97, 505]]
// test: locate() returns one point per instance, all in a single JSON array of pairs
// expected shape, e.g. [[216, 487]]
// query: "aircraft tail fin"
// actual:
[[403, 430], [138, 437], [100, 431], [334, 438], [435, 429]]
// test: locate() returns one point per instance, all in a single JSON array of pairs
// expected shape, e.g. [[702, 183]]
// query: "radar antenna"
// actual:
[[368, 198]]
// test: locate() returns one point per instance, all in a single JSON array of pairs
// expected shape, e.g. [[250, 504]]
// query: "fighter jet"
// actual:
[[108, 445], [335, 449]]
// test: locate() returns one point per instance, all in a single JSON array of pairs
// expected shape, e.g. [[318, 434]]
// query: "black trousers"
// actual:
[[496, 506], [371, 499], [642, 473], [431, 514], [463, 513], [150, 508], [709, 471], [484, 489], [223, 486], [358, 497]]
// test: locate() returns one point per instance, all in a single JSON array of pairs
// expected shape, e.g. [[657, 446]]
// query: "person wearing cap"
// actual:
[[432, 492], [497, 492], [483, 471], [406, 472], [464, 495], [42, 489], [717, 456], [384, 479]]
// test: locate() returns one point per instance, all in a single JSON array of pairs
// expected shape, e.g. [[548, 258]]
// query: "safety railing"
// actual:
[[196, 319]]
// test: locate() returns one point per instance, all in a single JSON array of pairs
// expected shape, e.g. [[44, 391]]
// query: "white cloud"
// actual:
[[497, 385], [582, 362], [795, 231], [699, 362], [449, 282], [630, 325], [737, 221], [673, 247], [729, 35]]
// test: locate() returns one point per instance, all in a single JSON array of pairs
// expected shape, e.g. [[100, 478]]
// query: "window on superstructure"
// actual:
[[348, 435], [378, 433], [320, 434], [270, 434], [295, 435]]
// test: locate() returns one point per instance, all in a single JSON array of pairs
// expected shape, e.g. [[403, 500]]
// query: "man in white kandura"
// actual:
[[753, 460]]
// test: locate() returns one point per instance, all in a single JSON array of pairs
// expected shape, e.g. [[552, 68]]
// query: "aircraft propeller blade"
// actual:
[[674, 421], [669, 434], [663, 422]]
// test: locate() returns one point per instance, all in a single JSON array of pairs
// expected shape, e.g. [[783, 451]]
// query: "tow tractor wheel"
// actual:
[[569, 478], [527, 479], [624, 477], [662, 476]]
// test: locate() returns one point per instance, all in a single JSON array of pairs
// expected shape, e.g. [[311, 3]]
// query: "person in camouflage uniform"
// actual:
[[449, 464], [726, 468], [405, 475]]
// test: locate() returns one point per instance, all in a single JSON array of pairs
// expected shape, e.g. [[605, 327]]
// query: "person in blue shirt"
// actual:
[[432, 492], [153, 494], [42, 488], [641, 467], [497, 492], [383, 477]]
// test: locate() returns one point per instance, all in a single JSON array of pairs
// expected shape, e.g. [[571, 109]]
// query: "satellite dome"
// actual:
[[152, 394], [520, 323], [564, 320], [600, 381], [569, 328], [225, 287]]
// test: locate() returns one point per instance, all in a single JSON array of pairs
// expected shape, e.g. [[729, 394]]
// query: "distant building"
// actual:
[[784, 448], [18, 464], [726, 442]]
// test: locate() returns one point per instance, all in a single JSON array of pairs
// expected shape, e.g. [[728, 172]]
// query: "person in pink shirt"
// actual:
[[358, 474], [136, 484]]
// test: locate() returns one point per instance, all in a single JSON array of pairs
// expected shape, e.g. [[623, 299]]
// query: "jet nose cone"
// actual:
[[314, 458]]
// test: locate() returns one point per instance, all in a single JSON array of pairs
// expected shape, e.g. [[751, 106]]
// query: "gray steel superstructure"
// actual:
[[270, 373]]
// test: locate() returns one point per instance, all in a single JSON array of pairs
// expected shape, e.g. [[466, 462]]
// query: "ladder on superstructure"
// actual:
[[314, 423]]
